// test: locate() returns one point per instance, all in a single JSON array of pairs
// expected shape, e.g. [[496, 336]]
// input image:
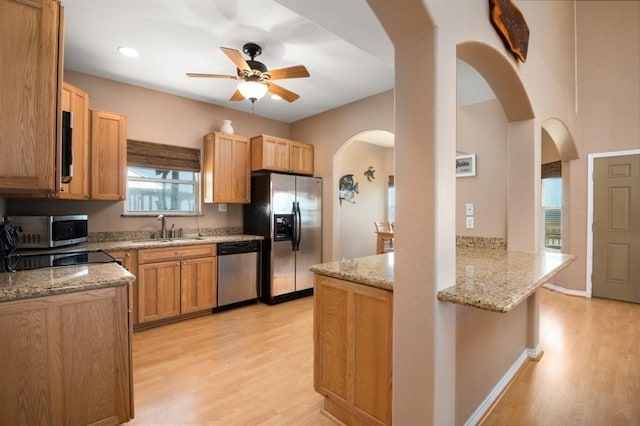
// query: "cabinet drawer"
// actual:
[[175, 253]]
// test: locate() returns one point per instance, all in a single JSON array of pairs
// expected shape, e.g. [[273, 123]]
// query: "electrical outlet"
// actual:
[[469, 209], [470, 222], [222, 207]]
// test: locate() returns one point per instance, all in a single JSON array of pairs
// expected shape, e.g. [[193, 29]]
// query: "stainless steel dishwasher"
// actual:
[[238, 272]]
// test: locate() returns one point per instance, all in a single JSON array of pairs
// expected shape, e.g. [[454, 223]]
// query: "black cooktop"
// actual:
[[21, 262]]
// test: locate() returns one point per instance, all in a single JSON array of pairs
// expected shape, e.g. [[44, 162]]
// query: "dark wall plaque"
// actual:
[[509, 22]]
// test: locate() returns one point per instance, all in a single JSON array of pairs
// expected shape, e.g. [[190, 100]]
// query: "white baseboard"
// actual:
[[482, 409], [534, 353], [563, 290]]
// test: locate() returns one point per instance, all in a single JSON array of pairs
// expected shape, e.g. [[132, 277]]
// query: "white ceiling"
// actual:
[[340, 42], [175, 37]]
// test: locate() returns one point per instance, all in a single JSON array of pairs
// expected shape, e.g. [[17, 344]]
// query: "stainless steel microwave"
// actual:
[[51, 231]]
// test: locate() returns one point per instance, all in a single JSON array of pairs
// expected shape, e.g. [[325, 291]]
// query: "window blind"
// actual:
[[550, 170], [163, 157]]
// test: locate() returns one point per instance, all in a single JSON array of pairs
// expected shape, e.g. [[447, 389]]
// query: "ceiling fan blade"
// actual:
[[285, 94], [237, 96], [195, 74], [297, 71], [236, 58]]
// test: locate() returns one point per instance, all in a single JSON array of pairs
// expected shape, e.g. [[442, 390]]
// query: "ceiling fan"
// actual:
[[256, 78]]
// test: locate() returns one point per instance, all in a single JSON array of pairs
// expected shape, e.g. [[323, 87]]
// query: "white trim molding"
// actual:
[[564, 290], [590, 167], [497, 390]]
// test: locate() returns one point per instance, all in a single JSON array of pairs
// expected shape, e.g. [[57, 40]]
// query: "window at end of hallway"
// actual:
[[552, 212]]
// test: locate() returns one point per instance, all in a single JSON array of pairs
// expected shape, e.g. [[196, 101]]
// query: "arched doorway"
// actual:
[[366, 159]]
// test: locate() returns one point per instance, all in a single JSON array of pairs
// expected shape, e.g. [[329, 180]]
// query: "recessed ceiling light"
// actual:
[[276, 97], [129, 52]]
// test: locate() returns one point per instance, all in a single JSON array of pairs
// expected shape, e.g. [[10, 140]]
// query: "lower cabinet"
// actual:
[[174, 281], [68, 362], [129, 261], [353, 350]]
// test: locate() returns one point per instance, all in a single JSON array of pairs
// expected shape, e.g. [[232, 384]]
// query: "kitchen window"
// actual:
[[552, 205], [162, 179], [154, 191]]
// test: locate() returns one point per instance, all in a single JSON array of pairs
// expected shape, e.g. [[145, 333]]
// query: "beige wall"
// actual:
[[549, 150], [424, 355], [482, 130], [154, 117], [328, 132], [608, 108], [479, 366], [356, 237]]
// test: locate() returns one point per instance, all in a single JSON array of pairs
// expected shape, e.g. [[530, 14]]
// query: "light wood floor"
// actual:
[[247, 366], [254, 366], [589, 373]]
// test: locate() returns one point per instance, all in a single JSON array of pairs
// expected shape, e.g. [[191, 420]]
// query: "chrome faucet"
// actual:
[[163, 229]]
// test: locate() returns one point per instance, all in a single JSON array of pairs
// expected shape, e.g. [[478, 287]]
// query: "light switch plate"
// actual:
[[222, 207], [470, 222], [469, 209]]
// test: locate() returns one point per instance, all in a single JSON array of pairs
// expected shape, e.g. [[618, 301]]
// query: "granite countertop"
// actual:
[[156, 243], [499, 280], [149, 243], [374, 271], [492, 279], [62, 279], [67, 279]]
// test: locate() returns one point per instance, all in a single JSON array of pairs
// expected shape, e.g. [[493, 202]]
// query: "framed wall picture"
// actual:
[[466, 165]]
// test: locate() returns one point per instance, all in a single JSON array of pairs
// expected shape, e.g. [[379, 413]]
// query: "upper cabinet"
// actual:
[[226, 169], [30, 72], [76, 101], [281, 155], [108, 155]]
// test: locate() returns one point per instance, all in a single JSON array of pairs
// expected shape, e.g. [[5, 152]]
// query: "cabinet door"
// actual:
[[158, 291], [301, 158], [29, 100], [269, 153], [77, 102], [68, 360], [108, 155], [227, 169], [353, 350], [129, 261], [198, 284]]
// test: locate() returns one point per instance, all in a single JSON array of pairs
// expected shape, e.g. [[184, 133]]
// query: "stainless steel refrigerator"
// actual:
[[287, 211]]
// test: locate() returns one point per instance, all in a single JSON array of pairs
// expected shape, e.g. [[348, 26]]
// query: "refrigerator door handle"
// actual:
[[299, 231], [294, 236]]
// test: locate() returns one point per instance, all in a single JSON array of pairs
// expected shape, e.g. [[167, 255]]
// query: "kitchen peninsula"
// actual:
[[353, 315], [65, 356]]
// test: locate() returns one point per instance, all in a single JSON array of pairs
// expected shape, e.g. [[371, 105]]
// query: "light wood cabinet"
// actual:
[[158, 291], [281, 155], [353, 350], [176, 280], [69, 359], [76, 101], [30, 72], [197, 284], [227, 173], [108, 155], [129, 261], [301, 158]]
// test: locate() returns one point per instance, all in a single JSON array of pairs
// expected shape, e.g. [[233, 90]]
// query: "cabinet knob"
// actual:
[[127, 255]]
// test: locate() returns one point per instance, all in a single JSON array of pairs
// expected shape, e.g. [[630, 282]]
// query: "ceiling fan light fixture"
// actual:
[[276, 97], [252, 90]]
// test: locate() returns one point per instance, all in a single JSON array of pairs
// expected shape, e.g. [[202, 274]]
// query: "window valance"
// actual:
[[163, 157]]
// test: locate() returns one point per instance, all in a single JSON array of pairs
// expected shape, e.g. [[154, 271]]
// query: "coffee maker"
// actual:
[[8, 238]]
